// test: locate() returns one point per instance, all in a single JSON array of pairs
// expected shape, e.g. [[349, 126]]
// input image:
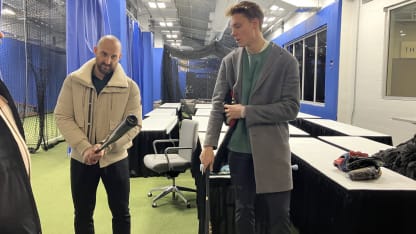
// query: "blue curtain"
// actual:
[[140, 62], [147, 86], [135, 57], [157, 70], [134, 60], [87, 21], [129, 55]]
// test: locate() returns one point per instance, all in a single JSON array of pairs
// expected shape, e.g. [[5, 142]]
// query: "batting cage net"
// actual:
[[33, 64]]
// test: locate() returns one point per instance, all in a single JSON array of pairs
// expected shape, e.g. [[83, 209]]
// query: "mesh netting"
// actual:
[[33, 64]]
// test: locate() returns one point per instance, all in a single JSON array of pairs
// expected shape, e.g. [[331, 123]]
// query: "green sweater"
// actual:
[[252, 66]]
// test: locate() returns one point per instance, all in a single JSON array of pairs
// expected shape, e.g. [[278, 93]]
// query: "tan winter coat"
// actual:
[[84, 119]]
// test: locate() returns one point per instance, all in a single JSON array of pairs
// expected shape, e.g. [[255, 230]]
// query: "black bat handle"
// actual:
[[130, 122], [207, 205]]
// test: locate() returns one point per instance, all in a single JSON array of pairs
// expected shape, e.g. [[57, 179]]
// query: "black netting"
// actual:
[[33, 64], [191, 74]]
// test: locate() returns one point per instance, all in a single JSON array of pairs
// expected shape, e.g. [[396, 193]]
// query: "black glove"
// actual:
[[366, 173]]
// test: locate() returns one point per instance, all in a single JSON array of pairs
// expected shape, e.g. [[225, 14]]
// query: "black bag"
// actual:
[[401, 159]]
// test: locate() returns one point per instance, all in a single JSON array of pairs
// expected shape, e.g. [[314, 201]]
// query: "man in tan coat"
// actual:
[[93, 100]]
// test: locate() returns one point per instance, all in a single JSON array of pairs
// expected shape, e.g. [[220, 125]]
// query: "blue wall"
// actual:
[[331, 17]]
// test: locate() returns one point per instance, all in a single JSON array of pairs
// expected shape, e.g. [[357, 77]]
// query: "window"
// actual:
[[401, 61], [310, 51]]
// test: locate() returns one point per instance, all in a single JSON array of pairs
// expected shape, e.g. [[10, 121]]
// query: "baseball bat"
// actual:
[[207, 206], [119, 131]]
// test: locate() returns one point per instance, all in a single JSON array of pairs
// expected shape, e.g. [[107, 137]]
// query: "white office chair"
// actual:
[[174, 160]]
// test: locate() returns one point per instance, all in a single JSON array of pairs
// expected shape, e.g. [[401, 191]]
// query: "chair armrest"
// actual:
[[163, 141], [169, 149]]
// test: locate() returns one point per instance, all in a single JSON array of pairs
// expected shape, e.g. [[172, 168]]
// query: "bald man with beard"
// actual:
[[93, 100]]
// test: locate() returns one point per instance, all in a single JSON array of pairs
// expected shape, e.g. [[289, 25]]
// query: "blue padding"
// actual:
[[13, 70], [45, 65]]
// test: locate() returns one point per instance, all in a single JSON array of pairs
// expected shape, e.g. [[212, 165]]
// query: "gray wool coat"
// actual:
[[273, 102]]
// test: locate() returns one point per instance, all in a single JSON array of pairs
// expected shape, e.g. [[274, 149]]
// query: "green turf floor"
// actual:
[[51, 187]]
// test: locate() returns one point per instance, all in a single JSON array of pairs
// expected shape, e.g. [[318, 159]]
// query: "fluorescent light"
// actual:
[[161, 5], [7, 11], [163, 24], [169, 24], [274, 7], [174, 36], [211, 16], [300, 3], [152, 5], [169, 36], [270, 19], [264, 25]]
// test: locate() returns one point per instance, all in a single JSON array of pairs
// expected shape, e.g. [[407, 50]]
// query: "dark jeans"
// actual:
[[274, 206], [84, 183]]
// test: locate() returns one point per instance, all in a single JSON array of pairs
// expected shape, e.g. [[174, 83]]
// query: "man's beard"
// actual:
[[104, 71]]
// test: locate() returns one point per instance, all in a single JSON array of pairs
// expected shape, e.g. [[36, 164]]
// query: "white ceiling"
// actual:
[[195, 23], [199, 22]]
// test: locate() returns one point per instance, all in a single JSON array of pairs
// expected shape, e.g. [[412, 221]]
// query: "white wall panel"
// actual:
[[371, 109]]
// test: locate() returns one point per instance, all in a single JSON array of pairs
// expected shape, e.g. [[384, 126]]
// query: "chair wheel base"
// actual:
[[154, 205], [188, 205], [149, 194]]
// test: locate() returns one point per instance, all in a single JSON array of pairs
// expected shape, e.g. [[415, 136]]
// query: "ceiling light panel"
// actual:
[[161, 5], [274, 7], [152, 5], [270, 19], [7, 11], [302, 3]]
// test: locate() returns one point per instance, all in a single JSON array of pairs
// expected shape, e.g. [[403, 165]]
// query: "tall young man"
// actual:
[[264, 80]]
